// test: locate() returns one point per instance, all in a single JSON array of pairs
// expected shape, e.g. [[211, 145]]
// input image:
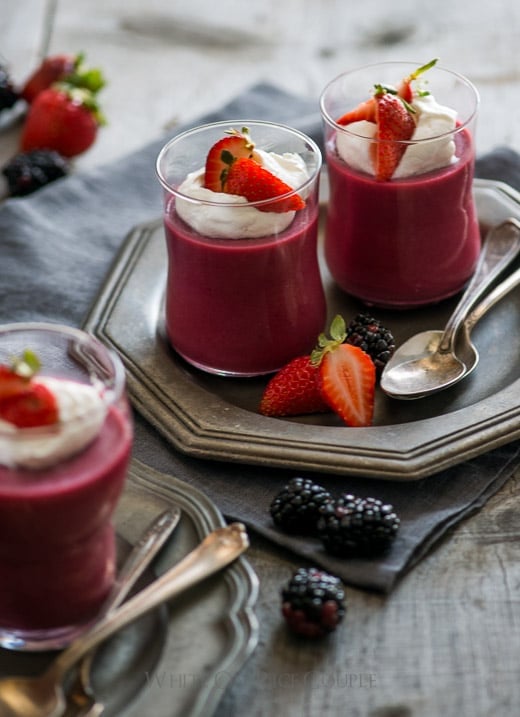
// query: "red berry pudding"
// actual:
[[244, 291], [402, 229], [65, 443]]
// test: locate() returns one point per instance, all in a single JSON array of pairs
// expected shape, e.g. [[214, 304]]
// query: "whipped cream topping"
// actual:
[[81, 412], [432, 120], [221, 219]]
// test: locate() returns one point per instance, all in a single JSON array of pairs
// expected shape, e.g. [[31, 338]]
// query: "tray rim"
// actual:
[[221, 431]]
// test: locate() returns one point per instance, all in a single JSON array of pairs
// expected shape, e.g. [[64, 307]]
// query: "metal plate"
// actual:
[[174, 662], [214, 417]]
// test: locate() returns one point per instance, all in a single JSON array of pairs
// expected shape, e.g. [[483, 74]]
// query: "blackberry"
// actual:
[[296, 508], [313, 602], [28, 171], [8, 95], [371, 336], [357, 527]]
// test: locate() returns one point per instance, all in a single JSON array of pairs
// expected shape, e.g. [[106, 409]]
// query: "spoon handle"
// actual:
[[140, 557], [217, 550], [142, 554], [492, 298], [502, 245]]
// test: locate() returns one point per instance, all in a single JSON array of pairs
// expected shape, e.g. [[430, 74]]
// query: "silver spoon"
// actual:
[[434, 360], [81, 696], [42, 696]]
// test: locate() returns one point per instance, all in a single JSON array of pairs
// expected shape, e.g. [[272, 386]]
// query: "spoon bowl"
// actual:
[[434, 360]]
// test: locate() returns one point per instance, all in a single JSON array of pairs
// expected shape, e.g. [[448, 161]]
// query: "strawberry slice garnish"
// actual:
[[347, 376], [11, 383], [232, 167], [365, 111], [395, 125], [405, 89], [221, 156], [36, 406], [250, 180], [390, 110], [23, 402], [294, 390]]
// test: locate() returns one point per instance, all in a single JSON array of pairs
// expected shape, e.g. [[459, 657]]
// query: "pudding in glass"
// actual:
[[408, 236], [244, 292], [62, 470]]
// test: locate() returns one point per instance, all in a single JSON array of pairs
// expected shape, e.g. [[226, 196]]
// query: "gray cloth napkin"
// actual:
[[56, 247]]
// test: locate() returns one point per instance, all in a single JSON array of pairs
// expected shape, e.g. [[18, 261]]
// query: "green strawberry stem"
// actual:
[[84, 97], [384, 89], [338, 334], [422, 69], [26, 365], [87, 78]]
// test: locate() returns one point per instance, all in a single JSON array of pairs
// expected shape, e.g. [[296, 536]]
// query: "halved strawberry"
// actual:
[[404, 88], [365, 111], [36, 406], [347, 376], [222, 154], [22, 402], [395, 125], [250, 180], [294, 390], [11, 383]]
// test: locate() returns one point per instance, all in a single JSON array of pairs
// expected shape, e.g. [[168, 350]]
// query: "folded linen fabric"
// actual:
[[56, 247]]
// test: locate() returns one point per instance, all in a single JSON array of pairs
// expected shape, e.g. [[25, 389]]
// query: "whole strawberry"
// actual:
[[62, 68], [64, 119]]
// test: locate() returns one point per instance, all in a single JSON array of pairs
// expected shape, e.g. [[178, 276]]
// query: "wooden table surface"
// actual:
[[447, 640]]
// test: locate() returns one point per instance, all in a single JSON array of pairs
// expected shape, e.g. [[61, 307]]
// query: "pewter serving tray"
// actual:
[[178, 660], [215, 417]]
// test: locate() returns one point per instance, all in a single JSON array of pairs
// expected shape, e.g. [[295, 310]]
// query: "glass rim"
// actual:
[[110, 397], [243, 123], [423, 140]]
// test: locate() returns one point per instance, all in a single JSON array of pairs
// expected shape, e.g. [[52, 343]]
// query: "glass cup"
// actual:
[[59, 485], [412, 240], [244, 292]]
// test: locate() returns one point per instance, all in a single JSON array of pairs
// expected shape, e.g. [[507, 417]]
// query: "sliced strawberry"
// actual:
[[294, 390], [395, 125], [347, 376], [11, 383], [365, 111], [22, 402], [64, 119], [36, 406], [250, 180], [347, 379], [221, 156], [404, 89]]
